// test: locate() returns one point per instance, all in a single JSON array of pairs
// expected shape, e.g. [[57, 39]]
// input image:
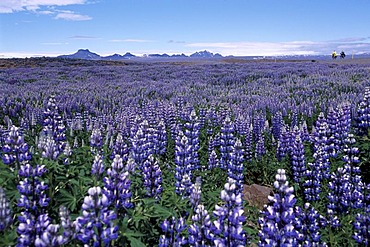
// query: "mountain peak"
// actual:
[[116, 56], [88, 55], [83, 54], [205, 54]]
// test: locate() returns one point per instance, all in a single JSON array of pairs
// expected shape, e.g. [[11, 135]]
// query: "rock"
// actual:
[[257, 195]]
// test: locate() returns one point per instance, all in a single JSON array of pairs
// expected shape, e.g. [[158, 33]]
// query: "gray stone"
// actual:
[[257, 195]]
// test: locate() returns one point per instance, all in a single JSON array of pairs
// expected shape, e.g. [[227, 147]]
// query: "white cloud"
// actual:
[[83, 37], [45, 12], [54, 43], [281, 48], [26, 54], [71, 16], [10, 6], [176, 41], [131, 40], [350, 39], [256, 48]]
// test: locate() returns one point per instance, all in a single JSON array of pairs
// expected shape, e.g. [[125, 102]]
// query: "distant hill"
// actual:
[[205, 54], [88, 55], [83, 54], [129, 55], [119, 57], [182, 55], [159, 55]]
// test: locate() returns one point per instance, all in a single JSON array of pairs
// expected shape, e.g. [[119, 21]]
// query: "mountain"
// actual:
[[88, 55], [182, 55], [159, 55], [205, 54], [83, 54], [114, 57], [119, 57], [129, 55]]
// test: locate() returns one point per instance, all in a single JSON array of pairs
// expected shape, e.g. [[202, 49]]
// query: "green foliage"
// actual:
[[140, 225]]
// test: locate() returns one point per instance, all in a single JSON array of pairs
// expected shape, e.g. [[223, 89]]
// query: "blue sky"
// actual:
[[230, 27]]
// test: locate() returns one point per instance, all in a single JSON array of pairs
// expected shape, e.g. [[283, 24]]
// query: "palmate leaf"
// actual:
[[68, 199], [133, 237], [161, 212], [9, 237], [134, 242]]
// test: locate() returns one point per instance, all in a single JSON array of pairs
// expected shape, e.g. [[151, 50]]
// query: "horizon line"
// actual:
[[9, 55]]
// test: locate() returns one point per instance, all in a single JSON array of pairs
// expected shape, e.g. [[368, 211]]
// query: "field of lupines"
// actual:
[[157, 154]]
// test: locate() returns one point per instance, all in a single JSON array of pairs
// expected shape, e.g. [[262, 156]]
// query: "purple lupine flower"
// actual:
[[346, 186], [173, 233], [260, 147], [361, 223], [26, 229], [319, 137], [200, 234], [294, 119], [363, 113], [278, 218], [277, 124], [305, 136], [320, 169], [5, 211], [33, 219], [75, 142], [248, 144], [180, 109], [130, 165], [283, 143], [141, 144], [67, 152], [298, 160], [49, 148], [352, 160], [185, 188], [192, 130], [183, 172], [227, 142], [211, 121], [53, 125], [196, 191], [202, 117], [161, 139], [15, 149], [96, 141], [96, 227], [98, 166], [117, 186], [152, 177], [315, 174], [171, 121], [336, 190], [227, 228], [235, 166], [121, 148], [344, 124], [213, 161], [66, 223], [333, 142], [77, 122], [241, 125], [50, 235], [308, 224], [333, 200], [2, 137], [258, 126]]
